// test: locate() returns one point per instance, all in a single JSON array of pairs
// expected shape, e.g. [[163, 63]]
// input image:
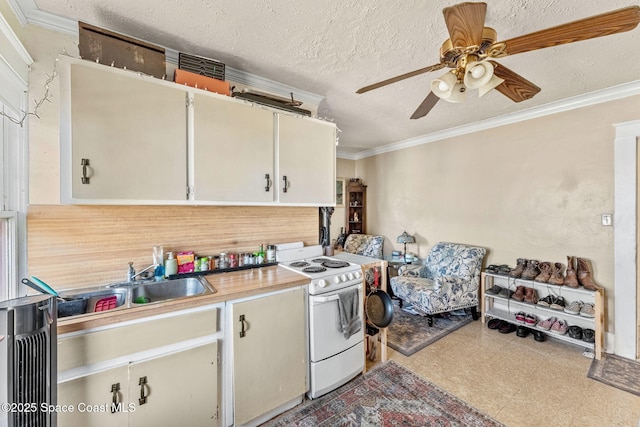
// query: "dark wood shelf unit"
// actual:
[[356, 199]]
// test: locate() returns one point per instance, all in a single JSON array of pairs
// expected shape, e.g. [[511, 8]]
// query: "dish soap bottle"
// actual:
[[170, 265]]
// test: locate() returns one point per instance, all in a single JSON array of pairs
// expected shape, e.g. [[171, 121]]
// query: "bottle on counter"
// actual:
[[170, 265], [260, 255]]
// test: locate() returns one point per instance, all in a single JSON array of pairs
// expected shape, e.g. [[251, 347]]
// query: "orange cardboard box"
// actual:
[[202, 82]]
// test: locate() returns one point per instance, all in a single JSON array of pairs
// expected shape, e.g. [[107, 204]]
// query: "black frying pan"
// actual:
[[379, 308]]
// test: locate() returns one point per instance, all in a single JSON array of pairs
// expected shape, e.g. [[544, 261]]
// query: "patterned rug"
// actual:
[[617, 372], [387, 395], [409, 333]]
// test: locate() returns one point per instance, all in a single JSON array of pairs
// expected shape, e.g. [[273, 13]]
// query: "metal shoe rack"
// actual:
[[499, 307]]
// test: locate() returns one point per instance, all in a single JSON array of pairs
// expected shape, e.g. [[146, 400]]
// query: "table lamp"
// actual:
[[405, 238]]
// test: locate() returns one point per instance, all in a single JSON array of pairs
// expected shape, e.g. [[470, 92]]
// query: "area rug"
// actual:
[[617, 372], [409, 333], [387, 395]]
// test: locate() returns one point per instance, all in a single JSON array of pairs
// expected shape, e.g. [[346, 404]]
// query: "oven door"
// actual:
[[326, 339]]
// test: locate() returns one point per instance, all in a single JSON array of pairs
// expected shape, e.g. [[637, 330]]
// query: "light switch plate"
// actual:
[[607, 219]]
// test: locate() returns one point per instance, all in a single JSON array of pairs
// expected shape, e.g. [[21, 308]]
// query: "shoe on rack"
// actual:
[[557, 303], [559, 327], [530, 320], [574, 307], [587, 310], [556, 274], [522, 331], [507, 328], [494, 323], [546, 324], [588, 335], [494, 290], [519, 268], [530, 296], [520, 317], [584, 274], [575, 332], [538, 335], [531, 271], [505, 293], [504, 270], [571, 279], [491, 269], [519, 294], [545, 272], [546, 301]]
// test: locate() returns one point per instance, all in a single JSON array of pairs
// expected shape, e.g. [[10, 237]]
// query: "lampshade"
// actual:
[[458, 95], [444, 86], [405, 238], [477, 74], [493, 83]]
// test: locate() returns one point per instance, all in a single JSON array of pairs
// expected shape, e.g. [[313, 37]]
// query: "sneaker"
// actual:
[[546, 301], [494, 290], [530, 320], [587, 310], [559, 327], [520, 317], [546, 324], [588, 335], [573, 308], [575, 332], [557, 303]]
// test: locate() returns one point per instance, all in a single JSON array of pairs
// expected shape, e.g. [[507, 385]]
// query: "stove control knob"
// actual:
[[350, 276], [322, 283], [357, 274], [336, 279], [343, 277]]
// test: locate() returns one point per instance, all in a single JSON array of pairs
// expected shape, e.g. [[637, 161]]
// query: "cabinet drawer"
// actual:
[[83, 349]]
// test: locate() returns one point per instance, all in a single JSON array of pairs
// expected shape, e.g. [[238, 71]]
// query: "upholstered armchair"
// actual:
[[365, 245], [448, 279]]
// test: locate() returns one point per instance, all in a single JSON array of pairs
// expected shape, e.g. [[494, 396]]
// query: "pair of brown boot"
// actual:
[[550, 272], [523, 294], [579, 274], [525, 269]]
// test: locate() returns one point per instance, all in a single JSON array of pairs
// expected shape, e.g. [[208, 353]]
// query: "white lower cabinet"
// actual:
[[142, 374], [268, 338]]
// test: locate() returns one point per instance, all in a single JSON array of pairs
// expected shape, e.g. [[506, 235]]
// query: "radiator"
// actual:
[[28, 342]]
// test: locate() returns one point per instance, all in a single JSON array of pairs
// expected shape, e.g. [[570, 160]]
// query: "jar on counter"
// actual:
[[223, 260], [204, 263], [196, 264], [233, 260], [215, 262], [271, 253]]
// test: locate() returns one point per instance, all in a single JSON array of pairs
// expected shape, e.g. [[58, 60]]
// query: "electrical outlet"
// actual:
[[607, 219]]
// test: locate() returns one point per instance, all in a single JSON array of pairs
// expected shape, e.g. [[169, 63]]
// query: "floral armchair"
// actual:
[[448, 279], [365, 245]]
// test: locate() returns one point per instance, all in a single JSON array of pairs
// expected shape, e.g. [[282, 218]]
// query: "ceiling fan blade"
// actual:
[[514, 87], [423, 109], [400, 77], [465, 22], [605, 24]]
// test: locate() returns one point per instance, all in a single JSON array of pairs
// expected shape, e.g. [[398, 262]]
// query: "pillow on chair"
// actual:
[[365, 245]]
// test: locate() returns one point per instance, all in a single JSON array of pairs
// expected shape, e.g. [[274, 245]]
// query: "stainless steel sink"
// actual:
[[169, 289], [129, 294]]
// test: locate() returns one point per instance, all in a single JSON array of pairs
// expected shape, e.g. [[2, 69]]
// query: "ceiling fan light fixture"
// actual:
[[444, 86], [458, 94], [478, 74], [493, 83]]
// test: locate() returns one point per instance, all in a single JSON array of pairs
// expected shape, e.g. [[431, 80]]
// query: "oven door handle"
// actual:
[[334, 297]]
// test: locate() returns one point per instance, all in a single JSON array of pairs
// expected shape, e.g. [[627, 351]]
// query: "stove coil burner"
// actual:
[[314, 269], [335, 264], [299, 264], [319, 260]]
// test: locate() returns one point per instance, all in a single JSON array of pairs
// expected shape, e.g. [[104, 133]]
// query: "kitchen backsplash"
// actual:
[[77, 246]]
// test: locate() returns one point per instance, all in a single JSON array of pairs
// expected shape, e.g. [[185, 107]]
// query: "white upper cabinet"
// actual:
[[233, 151], [131, 131], [307, 161], [127, 138]]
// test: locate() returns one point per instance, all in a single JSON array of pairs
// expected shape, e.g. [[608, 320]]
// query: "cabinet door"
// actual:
[[133, 132], [181, 389], [233, 151], [307, 157], [270, 360], [95, 391]]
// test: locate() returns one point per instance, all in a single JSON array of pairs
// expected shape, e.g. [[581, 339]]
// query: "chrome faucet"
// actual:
[[131, 272]]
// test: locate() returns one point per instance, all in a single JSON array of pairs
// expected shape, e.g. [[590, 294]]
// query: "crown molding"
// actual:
[[591, 98], [12, 38], [28, 12]]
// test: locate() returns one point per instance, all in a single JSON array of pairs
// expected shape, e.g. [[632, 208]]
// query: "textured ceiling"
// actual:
[[334, 47]]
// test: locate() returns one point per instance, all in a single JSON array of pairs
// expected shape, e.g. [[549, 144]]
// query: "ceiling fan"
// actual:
[[471, 47]]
